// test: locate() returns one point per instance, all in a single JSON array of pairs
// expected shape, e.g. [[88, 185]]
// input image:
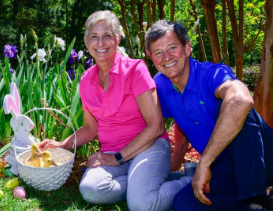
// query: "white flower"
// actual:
[[145, 25], [41, 55], [80, 54], [60, 42], [138, 41], [121, 31], [122, 51]]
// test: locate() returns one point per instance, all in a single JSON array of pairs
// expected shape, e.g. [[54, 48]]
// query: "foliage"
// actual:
[[44, 84]]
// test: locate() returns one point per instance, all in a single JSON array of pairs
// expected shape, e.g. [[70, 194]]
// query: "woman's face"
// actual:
[[101, 42]]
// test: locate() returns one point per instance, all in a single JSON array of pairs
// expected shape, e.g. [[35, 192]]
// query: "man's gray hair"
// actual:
[[104, 15], [160, 28]]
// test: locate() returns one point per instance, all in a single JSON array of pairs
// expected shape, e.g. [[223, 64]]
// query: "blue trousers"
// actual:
[[244, 169]]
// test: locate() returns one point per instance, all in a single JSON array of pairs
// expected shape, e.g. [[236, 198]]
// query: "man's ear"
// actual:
[[188, 49]]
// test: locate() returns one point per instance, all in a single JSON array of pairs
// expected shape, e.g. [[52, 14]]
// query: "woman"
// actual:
[[120, 105]]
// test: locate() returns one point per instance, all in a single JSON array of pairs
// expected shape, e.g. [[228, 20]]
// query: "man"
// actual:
[[214, 110]]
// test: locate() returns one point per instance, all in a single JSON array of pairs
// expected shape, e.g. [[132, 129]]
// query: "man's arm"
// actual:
[[235, 107], [180, 148]]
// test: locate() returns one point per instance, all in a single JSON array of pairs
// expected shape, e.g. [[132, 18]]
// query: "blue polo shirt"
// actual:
[[194, 109]]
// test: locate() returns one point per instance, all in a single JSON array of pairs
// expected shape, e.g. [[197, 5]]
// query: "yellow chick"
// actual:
[[48, 162], [34, 160], [35, 149], [47, 159]]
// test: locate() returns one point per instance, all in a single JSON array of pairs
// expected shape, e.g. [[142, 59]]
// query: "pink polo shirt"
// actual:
[[116, 110]]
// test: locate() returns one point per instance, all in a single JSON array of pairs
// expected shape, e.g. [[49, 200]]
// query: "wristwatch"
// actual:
[[119, 158]]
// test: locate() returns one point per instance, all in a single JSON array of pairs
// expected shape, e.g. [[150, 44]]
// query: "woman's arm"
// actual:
[[150, 109], [84, 135]]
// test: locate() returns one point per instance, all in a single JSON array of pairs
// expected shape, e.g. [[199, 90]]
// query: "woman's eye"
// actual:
[[157, 53], [173, 47]]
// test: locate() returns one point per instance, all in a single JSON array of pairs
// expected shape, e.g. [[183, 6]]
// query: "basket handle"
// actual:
[[51, 109]]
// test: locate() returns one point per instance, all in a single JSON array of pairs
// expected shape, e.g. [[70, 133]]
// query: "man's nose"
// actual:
[[166, 56]]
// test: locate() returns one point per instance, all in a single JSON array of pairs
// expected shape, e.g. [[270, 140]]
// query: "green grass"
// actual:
[[67, 197]]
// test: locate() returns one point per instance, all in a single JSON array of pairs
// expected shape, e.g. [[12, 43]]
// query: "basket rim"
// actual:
[[51, 109]]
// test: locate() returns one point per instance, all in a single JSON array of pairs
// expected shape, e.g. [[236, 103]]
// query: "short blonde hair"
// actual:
[[104, 15]]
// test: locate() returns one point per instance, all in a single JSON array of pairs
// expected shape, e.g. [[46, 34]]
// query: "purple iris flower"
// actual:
[[71, 74], [88, 64], [11, 71], [73, 56], [10, 51]]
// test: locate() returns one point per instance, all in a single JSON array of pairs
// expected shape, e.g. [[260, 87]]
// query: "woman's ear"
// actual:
[[119, 39]]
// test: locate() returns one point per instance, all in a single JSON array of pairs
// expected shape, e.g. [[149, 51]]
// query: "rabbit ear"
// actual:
[[12, 100]]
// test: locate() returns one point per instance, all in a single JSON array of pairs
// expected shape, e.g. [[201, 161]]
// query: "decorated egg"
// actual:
[[11, 184], [19, 192]]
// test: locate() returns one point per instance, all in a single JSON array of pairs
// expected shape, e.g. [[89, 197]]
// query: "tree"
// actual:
[[199, 31], [224, 31], [209, 11], [263, 94]]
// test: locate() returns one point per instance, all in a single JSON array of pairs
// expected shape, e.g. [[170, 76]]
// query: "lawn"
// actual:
[[67, 197]]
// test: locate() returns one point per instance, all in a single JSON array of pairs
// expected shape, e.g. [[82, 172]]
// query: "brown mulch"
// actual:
[[77, 172]]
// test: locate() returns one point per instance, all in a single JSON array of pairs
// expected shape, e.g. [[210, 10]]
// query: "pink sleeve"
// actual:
[[141, 80]]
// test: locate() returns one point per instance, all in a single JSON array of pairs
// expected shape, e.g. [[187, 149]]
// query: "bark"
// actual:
[[264, 90], [209, 11], [122, 6], [154, 10], [160, 4], [148, 2], [140, 14], [172, 10], [237, 35], [203, 51], [224, 31]]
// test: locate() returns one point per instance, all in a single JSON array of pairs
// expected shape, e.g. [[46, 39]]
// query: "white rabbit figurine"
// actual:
[[19, 122]]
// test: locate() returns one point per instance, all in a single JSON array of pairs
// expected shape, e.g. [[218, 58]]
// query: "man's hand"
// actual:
[[200, 184], [102, 159]]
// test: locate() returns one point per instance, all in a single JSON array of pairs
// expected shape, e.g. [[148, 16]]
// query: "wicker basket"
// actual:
[[51, 178]]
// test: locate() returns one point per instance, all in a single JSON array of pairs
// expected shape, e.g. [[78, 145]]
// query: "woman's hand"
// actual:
[[49, 143], [102, 159]]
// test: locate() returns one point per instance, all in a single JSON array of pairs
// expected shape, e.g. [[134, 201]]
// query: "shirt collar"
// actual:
[[95, 70], [193, 79], [192, 83]]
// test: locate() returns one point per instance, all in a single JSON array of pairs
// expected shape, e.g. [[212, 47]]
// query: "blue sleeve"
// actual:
[[218, 74]]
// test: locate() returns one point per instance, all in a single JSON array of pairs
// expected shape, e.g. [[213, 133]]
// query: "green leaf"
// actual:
[[4, 149]]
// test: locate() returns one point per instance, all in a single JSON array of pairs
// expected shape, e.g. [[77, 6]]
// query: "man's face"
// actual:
[[170, 57]]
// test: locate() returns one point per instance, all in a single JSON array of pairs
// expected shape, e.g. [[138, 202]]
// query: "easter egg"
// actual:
[[8, 173], [11, 184], [19, 192], [1, 194]]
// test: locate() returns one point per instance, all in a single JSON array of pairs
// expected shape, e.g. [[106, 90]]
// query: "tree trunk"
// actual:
[[122, 6], [160, 4], [209, 11], [264, 90], [148, 2], [154, 10], [224, 31], [172, 10], [237, 36], [203, 51]]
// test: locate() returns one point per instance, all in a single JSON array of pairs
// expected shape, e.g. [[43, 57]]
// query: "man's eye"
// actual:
[[157, 53], [173, 48]]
